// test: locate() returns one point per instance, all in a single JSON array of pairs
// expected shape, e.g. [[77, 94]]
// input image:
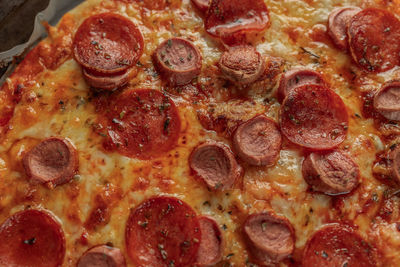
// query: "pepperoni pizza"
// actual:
[[205, 133]]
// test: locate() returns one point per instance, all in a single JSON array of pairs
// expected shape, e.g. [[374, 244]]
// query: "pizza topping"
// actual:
[[210, 250], [332, 173], [230, 18], [337, 245], [373, 38], [387, 101], [394, 157], [258, 141], [215, 164], [314, 117], [296, 78], [31, 238], [163, 231], [242, 64], [270, 238], [178, 60], [202, 5], [102, 256], [108, 82], [53, 161], [338, 23], [108, 43], [142, 124]]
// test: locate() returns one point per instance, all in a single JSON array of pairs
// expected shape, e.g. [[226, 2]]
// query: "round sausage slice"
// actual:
[[211, 245], [242, 64], [387, 101], [108, 82], [338, 22], [163, 231], [315, 117], [373, 39], [215, 164], [53, 161], [337, 245], [270, 238], [202, 5], [332, 173], [295, 78], [107, 43], [102, 256], [178, 60], [258, 141], [394, 157], [31, 238]]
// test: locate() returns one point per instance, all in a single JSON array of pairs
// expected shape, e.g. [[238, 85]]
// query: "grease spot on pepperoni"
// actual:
[[332, 173], [387, 101], [314, 117], [337, 245], [230, 19], [338, 22], [163, 231], [142, 124], [107, 43], [258, 141], [102, 256], [211, 245], [31, 238], [373, 38]]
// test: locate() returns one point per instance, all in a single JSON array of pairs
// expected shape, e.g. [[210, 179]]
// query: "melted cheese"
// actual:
[[58, 103]]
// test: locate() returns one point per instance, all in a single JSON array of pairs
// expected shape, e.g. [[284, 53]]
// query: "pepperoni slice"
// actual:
[[102, 255], [337, 245], [332, 173], [107, 43], [211, 245], [53, 161], [394, 157], [31, 238], [373, 38], [142, 124], [202, 5], [270, 238], [338, 22], [387, 101], [314, 117], [163, 231], [108, 82], [242, 64], [258, 141], [215, 164], [295, 78], [178, 60], [228, 18]]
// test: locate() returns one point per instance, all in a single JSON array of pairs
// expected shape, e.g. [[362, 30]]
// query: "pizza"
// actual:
[[205, 133]]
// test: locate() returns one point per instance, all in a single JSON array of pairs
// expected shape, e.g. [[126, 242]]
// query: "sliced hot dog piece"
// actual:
[[107, 43], [142, 124], [295, 78], [258, 141], [108, 81], [178, 60], [387, 101], [337, 245], [202, 5], [31, 238], [315, 117], [242, 64], [53, 161], [102, 256], [215, 164], [270, 238], [211, 245], [338, 22], [229, 18], [373, 39], [332, 173], [163, 231]]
